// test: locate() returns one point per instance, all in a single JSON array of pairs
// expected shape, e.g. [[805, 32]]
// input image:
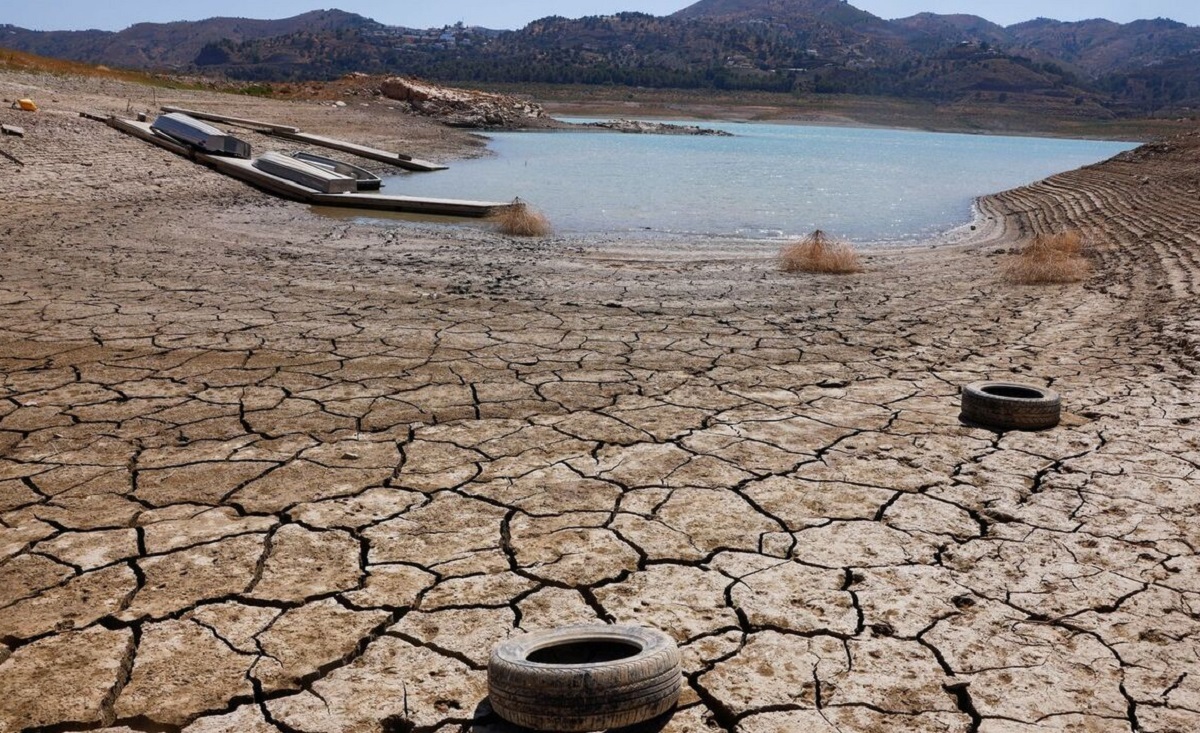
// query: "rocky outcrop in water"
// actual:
[[639, 127], [463, 107], [484, 110]]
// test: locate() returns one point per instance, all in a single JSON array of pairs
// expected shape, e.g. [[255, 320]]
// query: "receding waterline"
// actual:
[[765, 182]]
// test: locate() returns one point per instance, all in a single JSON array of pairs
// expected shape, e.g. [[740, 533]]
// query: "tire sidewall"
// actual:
[[1003, 412]]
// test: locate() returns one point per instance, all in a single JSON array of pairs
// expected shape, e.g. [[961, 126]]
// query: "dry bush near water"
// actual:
[[1049, 258], [520, 220], [818, 253]]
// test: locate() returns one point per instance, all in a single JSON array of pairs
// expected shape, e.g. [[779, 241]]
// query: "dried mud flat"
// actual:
[[265, 471]]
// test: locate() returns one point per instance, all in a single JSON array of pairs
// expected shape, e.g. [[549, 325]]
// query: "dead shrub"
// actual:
[[519, 219], [1049, 258], [818, 253]]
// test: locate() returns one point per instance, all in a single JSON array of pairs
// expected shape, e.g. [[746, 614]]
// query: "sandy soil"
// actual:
[[266, 471]]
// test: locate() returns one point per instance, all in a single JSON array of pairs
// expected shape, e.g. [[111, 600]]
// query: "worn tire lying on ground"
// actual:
[[584, 678], [1010, 406]]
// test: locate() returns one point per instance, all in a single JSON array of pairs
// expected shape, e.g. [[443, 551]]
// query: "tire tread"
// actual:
[[585, 697], [1010, 413]]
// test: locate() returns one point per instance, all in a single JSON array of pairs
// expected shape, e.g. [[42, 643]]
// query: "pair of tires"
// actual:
[[584, 678], [1010, 406]]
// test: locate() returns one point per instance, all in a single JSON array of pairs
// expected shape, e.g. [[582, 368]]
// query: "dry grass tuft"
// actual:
[[520, 220], [818, 253], [1049, 258]]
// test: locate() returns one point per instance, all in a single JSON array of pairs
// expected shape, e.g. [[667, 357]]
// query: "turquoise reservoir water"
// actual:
[[767, 181]]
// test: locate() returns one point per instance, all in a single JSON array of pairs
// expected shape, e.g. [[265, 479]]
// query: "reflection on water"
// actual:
[[767, 181]]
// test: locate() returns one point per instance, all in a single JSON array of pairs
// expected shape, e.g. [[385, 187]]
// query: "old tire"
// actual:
[[584, 678], [1010, 406]]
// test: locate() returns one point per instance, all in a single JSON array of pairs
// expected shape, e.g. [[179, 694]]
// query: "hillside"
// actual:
[[930, 30], [1099, 47], [1093, 68], [156, 46], [789, 12]]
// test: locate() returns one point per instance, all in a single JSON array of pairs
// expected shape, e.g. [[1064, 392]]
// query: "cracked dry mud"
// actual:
[[265, 471]]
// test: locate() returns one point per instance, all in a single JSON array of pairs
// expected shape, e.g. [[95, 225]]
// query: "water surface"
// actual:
[[767, 181]]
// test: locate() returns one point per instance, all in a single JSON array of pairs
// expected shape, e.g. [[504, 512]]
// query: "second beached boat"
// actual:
[[306, 174], [367, 181]]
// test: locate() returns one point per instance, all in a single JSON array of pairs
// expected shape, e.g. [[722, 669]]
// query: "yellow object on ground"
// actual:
[[27, 105]]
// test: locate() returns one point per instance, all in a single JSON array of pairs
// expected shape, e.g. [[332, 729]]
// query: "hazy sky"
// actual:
[[118, 14]]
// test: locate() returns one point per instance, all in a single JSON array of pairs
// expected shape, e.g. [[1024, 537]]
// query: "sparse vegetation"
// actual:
[[257, 90], [520, 220], [11, 60], [818, 253], [18, 61], [1049, 258]]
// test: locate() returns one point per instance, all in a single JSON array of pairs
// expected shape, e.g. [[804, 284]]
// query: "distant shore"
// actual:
[[841, 111]]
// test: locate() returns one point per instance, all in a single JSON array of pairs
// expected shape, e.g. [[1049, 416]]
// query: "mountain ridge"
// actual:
[[796, 46], [145, 45]]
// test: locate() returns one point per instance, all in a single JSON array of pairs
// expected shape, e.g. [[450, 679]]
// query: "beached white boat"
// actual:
[[306, 174], [367, 181], [200, 135]]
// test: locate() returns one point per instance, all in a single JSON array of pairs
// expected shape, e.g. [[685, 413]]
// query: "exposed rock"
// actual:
[[484, 110], [639, 127], [462, 108]]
